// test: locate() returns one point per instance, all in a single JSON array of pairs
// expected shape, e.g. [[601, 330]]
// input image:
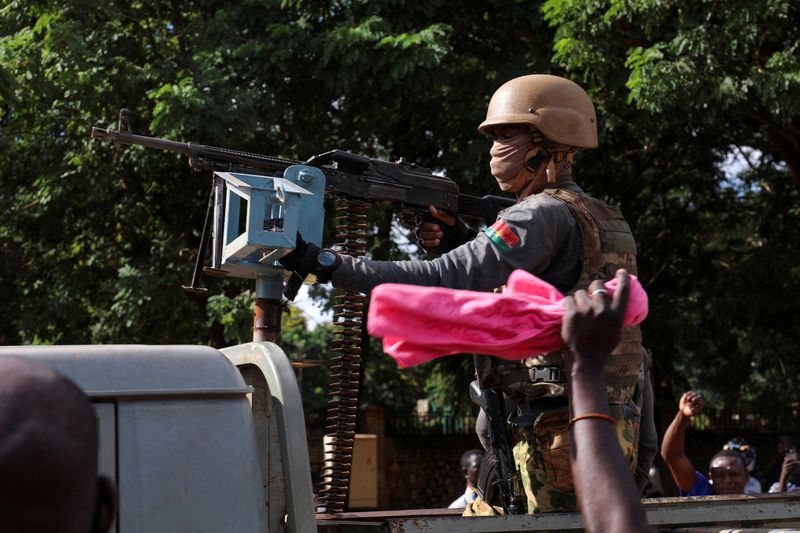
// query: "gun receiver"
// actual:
[[506, 479], [358, 177]]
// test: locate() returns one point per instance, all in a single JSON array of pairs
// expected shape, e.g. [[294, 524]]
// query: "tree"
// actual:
[[96, 240], [700, 144]]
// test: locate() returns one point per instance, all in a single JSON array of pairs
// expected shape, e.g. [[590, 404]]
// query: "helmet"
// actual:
[[557, 107], [745, 449]]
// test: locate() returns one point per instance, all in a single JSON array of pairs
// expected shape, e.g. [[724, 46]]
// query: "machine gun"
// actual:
[[406, 185], [257, 206]]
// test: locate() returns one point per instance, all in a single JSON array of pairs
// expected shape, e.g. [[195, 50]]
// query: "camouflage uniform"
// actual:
[[543, 459], [543, 455]]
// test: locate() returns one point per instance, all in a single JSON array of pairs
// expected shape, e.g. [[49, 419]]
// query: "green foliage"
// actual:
[[385, 384], [300, 343], [95, 240], [234, 314], [684, 88]]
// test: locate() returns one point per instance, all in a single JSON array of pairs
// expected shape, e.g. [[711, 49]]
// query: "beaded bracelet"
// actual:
[[592, 415]]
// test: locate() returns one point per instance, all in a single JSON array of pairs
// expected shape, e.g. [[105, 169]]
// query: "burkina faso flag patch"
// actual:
[[502, 236]]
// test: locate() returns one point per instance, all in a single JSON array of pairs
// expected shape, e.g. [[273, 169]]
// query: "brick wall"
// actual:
[[414, 472], [424, 472]]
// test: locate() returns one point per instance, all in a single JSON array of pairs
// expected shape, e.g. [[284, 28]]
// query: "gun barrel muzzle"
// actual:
[[99, 133]]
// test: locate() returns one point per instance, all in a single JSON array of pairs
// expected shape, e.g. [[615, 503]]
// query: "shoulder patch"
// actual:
[[502, 236]]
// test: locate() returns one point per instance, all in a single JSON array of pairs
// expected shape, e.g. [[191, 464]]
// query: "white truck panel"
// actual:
[[191, 445], [189, 466]]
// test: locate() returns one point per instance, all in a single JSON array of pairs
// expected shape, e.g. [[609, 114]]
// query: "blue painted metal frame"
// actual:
[[277, 208]]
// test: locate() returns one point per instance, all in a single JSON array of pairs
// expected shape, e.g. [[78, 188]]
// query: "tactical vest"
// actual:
[[608, 245]]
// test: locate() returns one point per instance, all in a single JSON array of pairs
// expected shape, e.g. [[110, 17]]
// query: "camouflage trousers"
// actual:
[[543, 460]]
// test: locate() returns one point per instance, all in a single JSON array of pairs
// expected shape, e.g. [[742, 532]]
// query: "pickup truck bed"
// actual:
[[768, 512]]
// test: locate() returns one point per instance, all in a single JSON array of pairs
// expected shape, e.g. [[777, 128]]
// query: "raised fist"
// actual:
[[691, 404]]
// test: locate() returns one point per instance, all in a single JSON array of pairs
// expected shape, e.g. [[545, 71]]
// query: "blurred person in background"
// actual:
[[790, 474], [773, 472], [470, 464], [748, 453], [727, 473]]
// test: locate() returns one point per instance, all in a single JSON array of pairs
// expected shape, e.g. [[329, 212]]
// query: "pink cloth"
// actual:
[[419, 324]]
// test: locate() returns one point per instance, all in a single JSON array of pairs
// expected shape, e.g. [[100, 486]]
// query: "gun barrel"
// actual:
[[201, 157], [486, 207], [352, 175], [126, 137]]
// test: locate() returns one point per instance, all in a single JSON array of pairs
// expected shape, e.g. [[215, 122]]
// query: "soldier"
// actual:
[[555, 231]]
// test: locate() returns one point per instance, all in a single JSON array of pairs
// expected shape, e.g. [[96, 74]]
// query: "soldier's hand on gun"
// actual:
[[593, 322], [691, 404], [430, 234]]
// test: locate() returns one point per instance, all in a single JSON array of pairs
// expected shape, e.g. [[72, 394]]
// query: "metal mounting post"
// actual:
[[267, 311]]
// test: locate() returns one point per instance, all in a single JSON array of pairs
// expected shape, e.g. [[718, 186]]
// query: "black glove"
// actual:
[[307, 259], [301, 262]]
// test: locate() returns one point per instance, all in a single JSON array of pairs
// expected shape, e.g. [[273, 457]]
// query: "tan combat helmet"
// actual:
[[557, 107]]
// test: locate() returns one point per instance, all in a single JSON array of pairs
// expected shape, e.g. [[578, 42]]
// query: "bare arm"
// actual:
[[673, 448], [789, 465], [606, 492]]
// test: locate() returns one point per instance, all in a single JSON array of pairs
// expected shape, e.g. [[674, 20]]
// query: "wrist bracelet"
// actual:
[[601, 416]]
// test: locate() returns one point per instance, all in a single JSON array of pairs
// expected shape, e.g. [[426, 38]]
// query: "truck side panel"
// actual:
[[166, 450]]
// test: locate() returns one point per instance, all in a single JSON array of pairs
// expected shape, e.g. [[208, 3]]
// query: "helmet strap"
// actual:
[[551, 171], [557, 157]]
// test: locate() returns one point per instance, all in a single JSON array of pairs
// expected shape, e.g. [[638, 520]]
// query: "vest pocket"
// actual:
[[553, 448]]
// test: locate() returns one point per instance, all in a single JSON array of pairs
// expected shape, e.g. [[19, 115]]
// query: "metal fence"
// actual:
[[430, 424], [782, 419]]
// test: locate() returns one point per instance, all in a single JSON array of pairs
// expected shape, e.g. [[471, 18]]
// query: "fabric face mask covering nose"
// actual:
[[509, 155]]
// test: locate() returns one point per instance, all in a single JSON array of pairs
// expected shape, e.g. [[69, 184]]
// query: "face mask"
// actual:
[[509, 158]]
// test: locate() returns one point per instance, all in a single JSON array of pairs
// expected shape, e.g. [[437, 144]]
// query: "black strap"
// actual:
[[537, 374]]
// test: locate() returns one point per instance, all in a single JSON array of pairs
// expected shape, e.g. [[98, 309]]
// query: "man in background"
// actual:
[[790, 474], [748, 453], [470, 464], [727, 471]]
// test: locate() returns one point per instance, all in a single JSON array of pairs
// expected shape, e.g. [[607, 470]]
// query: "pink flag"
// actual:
[[418, 324]]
